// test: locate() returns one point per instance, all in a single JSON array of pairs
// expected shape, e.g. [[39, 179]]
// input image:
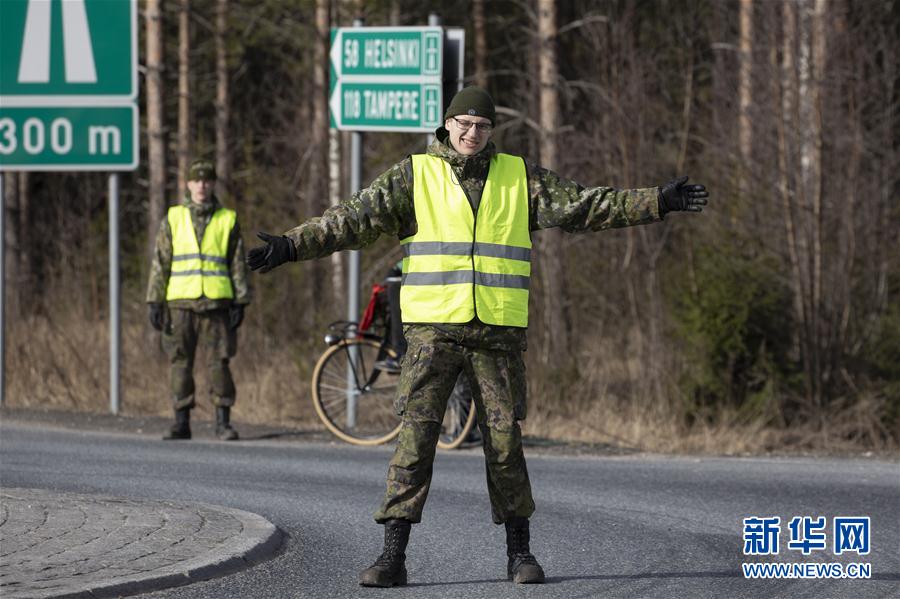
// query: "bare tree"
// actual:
[[555, 350], [12, 239], [745, 93], [480, 27], [784, 125], [223, 100], [334, 198], [155, 129], [800, 140], [184, 92], [395, 13], [316, 186]]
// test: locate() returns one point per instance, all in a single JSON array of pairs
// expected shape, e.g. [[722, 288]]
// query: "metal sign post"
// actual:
[[353, 274], [115, 320]]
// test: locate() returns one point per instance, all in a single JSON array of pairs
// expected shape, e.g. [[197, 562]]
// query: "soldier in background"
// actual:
[[464, 214], [199, 273]]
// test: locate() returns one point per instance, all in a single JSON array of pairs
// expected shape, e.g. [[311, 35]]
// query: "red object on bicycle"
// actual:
[[369, 314]]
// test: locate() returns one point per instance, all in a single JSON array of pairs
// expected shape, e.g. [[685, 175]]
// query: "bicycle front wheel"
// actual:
[[459, 417], [354, 399]]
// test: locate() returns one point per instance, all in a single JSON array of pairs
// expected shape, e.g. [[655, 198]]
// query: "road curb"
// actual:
[[71, 545]]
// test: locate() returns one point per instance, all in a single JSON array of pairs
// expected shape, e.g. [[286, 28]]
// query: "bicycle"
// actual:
[[355, 399]]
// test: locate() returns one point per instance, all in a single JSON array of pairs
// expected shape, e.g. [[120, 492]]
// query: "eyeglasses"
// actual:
[[466, 125]]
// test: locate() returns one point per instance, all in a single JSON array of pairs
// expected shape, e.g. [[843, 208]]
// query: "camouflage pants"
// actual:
[[430, 369], [186, 329]]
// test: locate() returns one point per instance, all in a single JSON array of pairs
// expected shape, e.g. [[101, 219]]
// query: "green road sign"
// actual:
[[387, 51], [68, 85], [68, 138], [68, 48], [386, 106], [386, 78]]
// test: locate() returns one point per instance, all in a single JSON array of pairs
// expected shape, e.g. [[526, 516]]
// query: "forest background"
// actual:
[[769, 322]]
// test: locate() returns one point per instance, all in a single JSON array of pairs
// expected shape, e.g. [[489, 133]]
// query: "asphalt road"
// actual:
[[626, 526]]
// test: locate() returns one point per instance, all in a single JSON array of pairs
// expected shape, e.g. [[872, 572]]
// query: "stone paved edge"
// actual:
[[259, 541], [263, 539]]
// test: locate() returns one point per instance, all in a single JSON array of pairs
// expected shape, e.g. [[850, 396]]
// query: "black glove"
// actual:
[[277, 251], [235, 315], [675, 196], [157, 315]]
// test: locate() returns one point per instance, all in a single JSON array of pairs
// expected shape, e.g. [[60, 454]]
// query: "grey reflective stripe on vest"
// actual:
[[458, 277], [450, 277], [496, 250], [205, 257], [437, 248], [205, 273], [487, 279], [463, 248]]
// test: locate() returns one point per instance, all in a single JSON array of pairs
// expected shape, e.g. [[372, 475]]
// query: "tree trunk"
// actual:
[[786, 128], [317, 180], [26, 241], [184, 93], [156, 135], [745, 95], [395, 13], [811, 66], [551, 253], [12, 240], [820, 325], [480, 27], [334, 198], [223, 100]]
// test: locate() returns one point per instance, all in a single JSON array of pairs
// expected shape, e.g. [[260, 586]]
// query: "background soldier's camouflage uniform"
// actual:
[[202, 319], [491, 355]]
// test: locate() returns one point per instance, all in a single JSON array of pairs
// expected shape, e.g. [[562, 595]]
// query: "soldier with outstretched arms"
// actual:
[[464, 213]]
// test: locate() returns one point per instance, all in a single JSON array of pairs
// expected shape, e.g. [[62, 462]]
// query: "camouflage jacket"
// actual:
[[161, 265], [386, 207]]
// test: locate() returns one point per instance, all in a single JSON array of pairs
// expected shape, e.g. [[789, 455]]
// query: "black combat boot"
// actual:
[[223, 425], [182, 427], [522, 567], [390, 567]]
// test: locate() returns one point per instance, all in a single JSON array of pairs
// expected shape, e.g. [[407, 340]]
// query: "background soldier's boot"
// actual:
[[223, 424], [390, 567], [182, 427], [522, 567]]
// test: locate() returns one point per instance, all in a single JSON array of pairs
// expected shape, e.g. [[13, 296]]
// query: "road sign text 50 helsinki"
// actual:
[[68, 85]]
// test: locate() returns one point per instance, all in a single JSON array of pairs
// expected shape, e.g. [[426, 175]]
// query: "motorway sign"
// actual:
[[68, 48], [68, 85], [386, 78], [68, 138]]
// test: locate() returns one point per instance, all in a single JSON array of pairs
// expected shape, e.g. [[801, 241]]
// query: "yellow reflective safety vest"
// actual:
[[200, 269], [460, 265]]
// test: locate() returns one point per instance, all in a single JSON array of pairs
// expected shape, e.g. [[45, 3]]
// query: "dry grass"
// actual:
[[61, 362]]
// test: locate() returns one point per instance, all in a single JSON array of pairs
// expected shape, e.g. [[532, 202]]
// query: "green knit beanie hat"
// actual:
[[202, 170], [472, 101]]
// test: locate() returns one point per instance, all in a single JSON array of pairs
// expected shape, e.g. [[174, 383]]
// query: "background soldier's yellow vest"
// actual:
[[460, 265], [200, 269]]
